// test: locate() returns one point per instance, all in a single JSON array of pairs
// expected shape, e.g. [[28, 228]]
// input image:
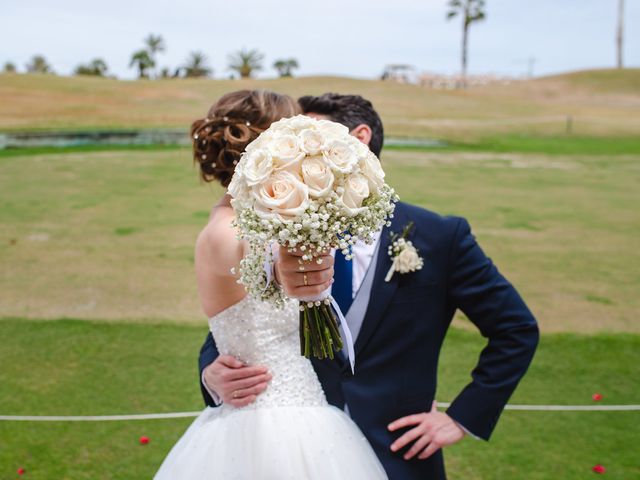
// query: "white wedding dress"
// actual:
[[289, 432]]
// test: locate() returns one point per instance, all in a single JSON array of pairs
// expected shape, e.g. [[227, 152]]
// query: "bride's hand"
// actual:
[[433, 430], [235, 383], [309, 281]]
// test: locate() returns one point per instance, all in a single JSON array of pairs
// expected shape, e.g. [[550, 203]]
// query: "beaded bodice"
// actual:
[[257, 333]]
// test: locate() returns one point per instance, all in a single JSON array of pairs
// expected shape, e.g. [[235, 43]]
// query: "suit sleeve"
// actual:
[[497, 310], [208, 353]]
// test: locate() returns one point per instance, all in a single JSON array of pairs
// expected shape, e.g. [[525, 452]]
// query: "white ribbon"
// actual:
[[347, 335]]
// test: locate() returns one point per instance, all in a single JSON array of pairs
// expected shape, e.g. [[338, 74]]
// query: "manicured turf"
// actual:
[[94, 368], [110, 234]]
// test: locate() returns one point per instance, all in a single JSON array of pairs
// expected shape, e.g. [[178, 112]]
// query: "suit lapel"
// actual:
[[381, 291]]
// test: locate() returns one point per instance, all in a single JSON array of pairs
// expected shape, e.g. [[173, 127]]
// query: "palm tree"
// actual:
[[620, 33], [245, 62], [10, 67], [39, 64], [471, 11], [285, 67], [155, 44], [97, 67], [142, 61], [196, 66]]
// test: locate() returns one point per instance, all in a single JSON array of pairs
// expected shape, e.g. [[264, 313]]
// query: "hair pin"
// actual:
[[248, 124], [225, 118]]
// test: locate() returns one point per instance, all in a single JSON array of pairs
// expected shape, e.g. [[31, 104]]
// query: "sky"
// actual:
[[354, 38]]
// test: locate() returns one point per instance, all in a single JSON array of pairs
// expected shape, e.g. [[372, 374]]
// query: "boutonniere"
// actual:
[[404, 255]]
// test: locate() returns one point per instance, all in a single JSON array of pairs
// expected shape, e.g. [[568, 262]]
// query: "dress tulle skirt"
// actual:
[[301, 443]]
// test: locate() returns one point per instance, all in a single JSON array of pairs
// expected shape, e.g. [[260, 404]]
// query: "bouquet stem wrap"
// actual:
[[308, 185]]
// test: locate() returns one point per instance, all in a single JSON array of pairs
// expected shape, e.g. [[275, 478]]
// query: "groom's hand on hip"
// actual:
[[431, 431], [302, 278], [236, 383]]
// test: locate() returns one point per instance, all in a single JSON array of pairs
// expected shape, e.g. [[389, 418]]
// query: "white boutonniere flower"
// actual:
[[404, 255]]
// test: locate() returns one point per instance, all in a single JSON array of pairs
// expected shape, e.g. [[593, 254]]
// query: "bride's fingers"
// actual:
[[310, 291], [314, 278], [407, 438]]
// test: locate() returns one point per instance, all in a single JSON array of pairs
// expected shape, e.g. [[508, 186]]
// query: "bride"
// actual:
[[290, 431]]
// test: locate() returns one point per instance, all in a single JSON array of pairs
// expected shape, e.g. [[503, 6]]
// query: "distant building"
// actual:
[[400, 73], [448, 82]]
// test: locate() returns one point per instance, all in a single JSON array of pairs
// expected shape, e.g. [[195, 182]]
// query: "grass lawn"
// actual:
[[109, 234], [106, 235], [83, 367]]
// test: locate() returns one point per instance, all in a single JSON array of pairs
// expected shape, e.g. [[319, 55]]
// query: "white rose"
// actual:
[[332, 129], [286, 153], [370, 167], [408, 260], [238, 189], [317, 175], [340, 156], [282, 195], [300, 122], [356, 189], [257, 166], [310, 141], [263, 139], [361, 149]]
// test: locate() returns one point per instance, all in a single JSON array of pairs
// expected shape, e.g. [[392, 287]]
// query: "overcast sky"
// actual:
[[354, 38]]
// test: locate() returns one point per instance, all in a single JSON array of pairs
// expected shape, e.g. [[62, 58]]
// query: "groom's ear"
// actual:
[[363, 133]]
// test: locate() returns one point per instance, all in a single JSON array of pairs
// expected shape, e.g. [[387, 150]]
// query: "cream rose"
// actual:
[[356, 189], [370, 167], [282, 195], [408, 259], [286, 153], [317, 175], [340, 156], [331, 129], [261, 142], [300, 122], [257, 166], [310, 141]]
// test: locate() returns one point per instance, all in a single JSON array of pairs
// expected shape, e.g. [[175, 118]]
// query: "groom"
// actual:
[[399, 326]]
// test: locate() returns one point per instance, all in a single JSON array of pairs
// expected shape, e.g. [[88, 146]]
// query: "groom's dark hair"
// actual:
[[349, 110]]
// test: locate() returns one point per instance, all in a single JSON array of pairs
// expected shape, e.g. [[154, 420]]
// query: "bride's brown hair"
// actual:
[[233, 122]]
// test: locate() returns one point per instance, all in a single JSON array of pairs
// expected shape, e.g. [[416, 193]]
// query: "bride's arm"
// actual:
[[217, 251]]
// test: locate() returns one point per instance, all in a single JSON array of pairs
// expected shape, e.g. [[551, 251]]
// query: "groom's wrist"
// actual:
[[465, 430], [217, 401]]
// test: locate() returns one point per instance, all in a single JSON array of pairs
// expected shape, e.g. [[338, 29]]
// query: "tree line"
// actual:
[[244, 63]]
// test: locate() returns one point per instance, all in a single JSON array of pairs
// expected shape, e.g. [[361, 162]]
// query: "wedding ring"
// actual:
[[305, 279]]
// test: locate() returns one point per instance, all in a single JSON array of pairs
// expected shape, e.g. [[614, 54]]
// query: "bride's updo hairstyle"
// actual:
[[233, 122]]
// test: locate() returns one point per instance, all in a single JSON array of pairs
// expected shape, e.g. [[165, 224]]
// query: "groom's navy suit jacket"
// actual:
[[399, 343]]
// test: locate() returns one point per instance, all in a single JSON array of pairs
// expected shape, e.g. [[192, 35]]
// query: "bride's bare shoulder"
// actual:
[[217, 240]]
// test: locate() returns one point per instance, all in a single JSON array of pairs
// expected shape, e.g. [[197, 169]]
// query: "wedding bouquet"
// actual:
[[310, 186]]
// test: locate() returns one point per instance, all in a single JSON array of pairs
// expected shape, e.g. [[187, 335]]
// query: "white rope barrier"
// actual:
[[161, 416]]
